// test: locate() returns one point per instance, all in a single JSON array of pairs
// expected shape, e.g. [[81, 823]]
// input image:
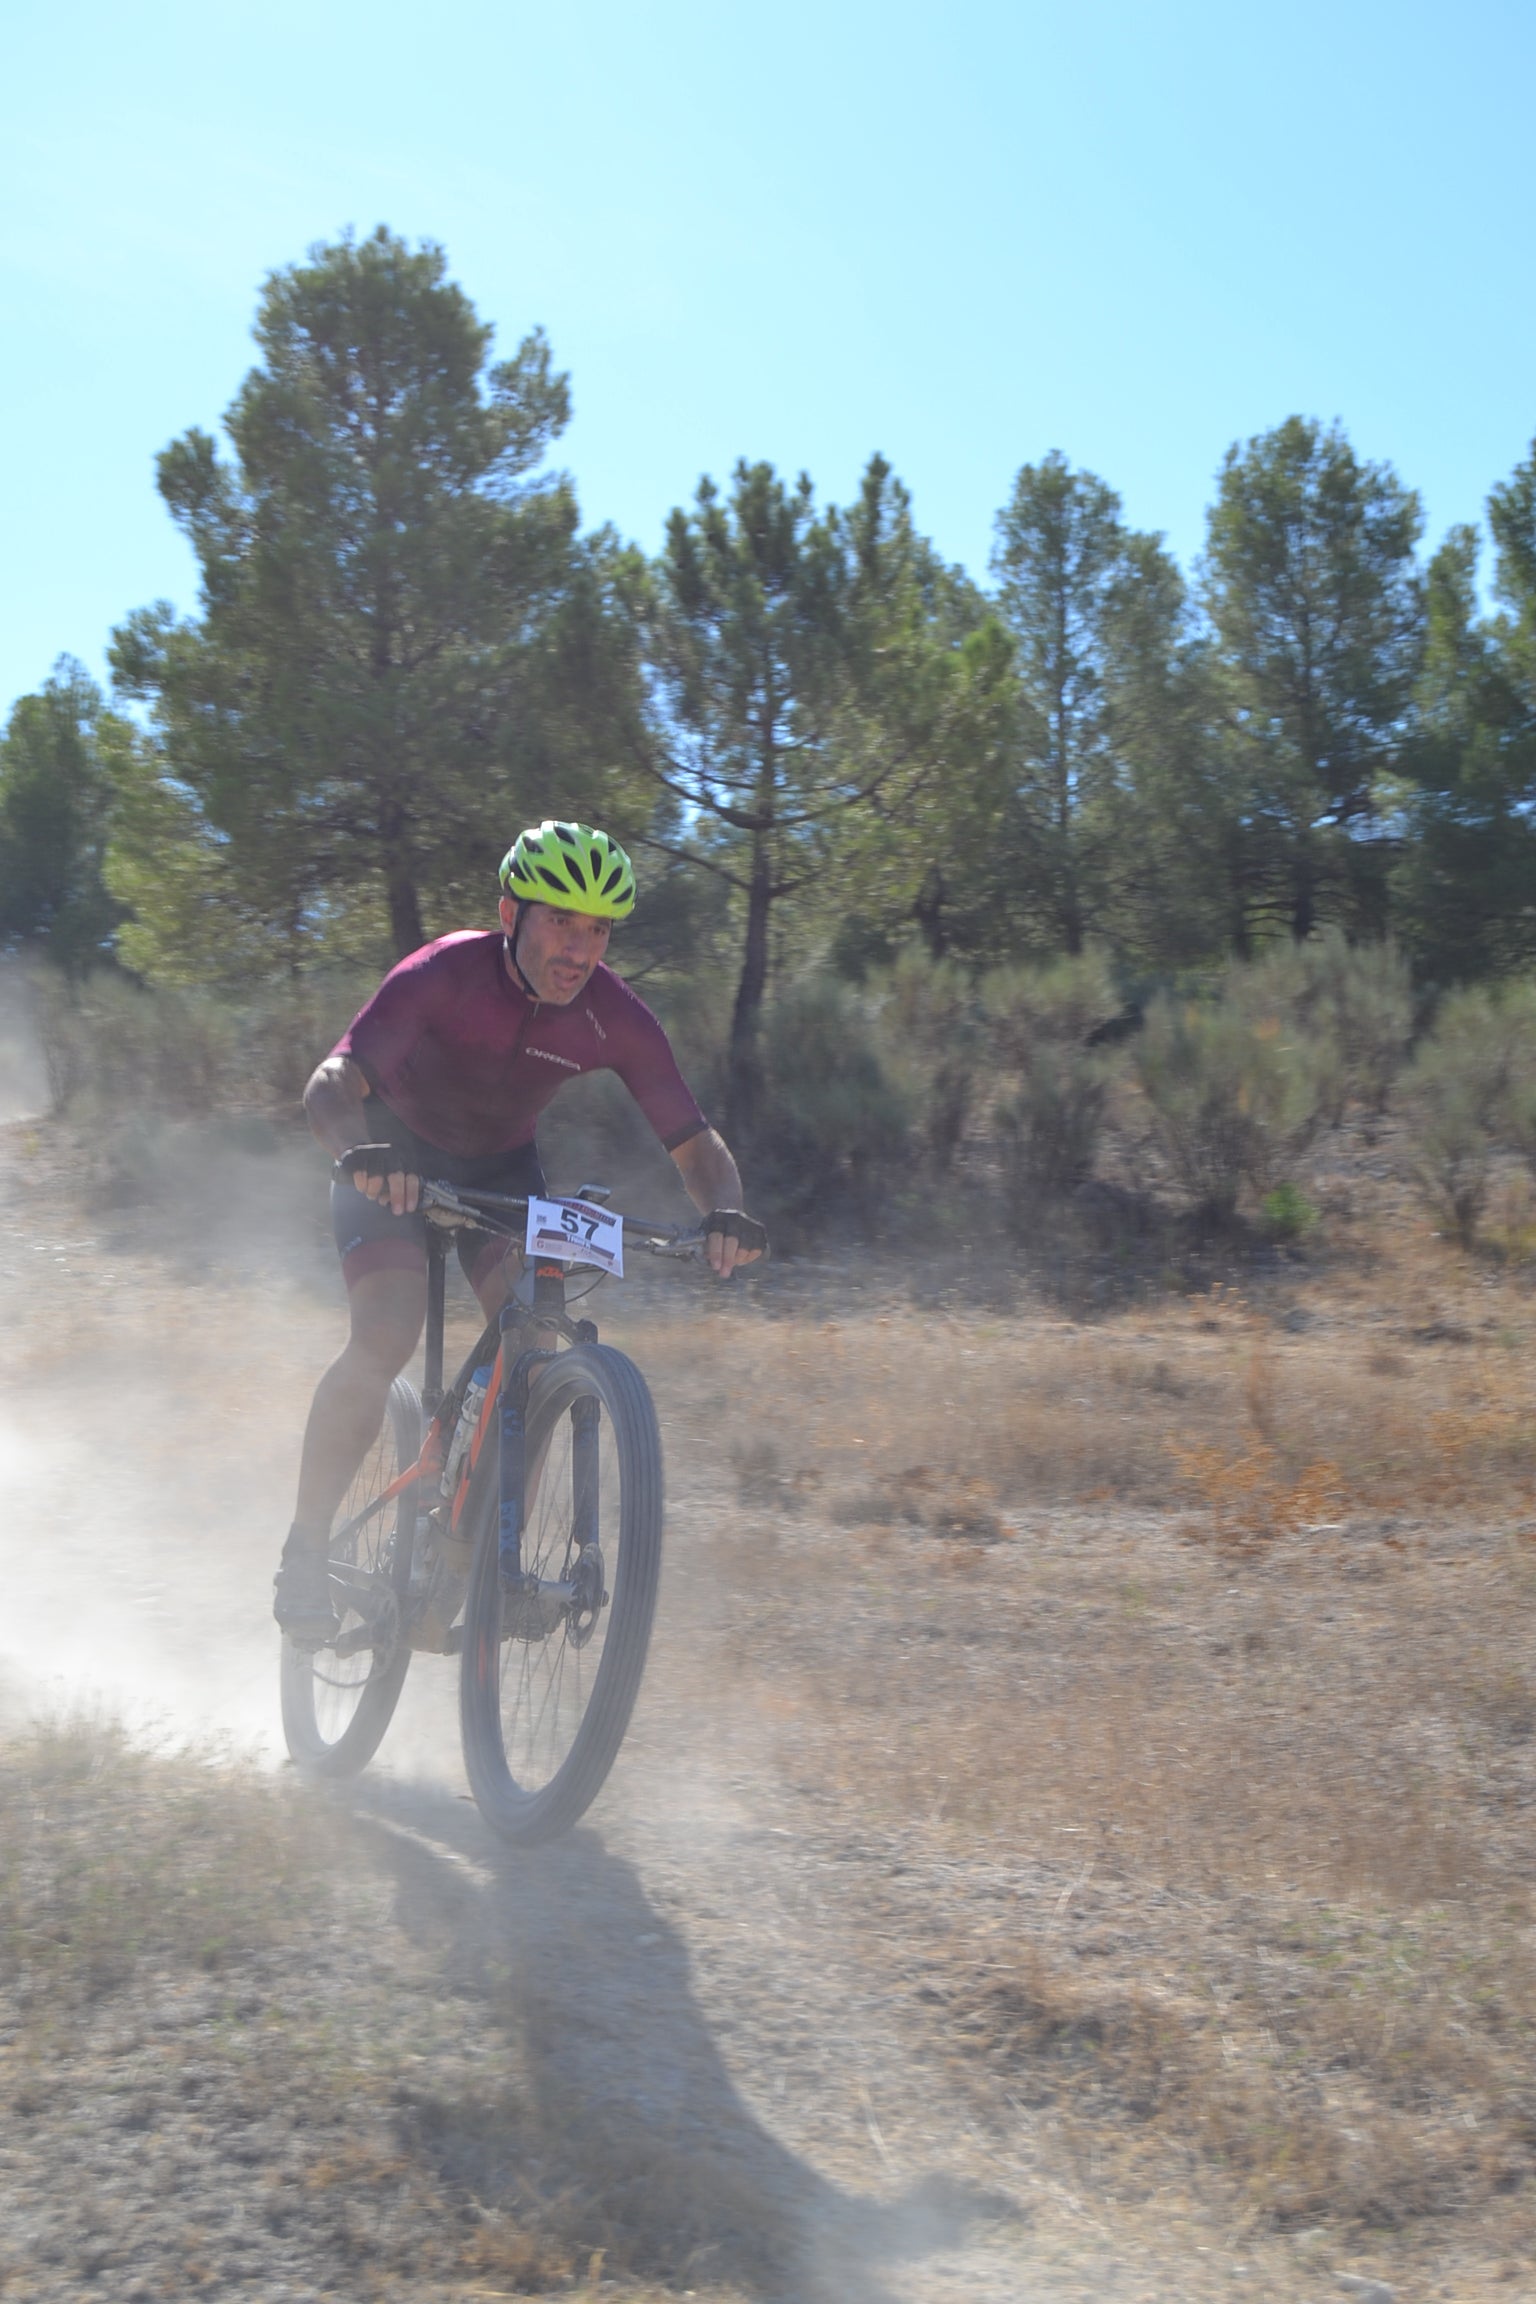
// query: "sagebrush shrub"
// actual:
[[1287, 1213], [1234, 1093], [1351, 1003], [1465, 1085], [1049, 1122], [1363, 995], [1516, 1103], [1048, 1132], [1058, 1006], [108, 1041], [928, 1032], [183, 1052], [835, 1126]]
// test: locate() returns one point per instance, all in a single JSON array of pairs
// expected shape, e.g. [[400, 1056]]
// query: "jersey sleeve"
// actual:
[[643, 1059], [385, 1030]]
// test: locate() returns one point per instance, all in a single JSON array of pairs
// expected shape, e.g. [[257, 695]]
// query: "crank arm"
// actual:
[[371, 1601]]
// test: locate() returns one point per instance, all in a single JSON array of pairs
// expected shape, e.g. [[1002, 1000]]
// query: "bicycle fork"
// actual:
[[512, 1443], [534, 1605]]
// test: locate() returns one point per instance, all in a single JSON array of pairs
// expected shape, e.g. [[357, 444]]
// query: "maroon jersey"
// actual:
[[468, 1060]]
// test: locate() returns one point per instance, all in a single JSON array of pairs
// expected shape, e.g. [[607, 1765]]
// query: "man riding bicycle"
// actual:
[[443, 1074]]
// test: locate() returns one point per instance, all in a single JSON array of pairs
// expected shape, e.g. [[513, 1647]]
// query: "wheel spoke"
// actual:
[[547, 1693], [338, 1699], [546, 1682]]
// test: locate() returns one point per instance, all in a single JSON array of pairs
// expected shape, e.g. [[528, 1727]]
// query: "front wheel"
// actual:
[[549, 1677], [338, 1700]]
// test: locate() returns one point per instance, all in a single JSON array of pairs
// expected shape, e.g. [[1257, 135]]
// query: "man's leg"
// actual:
[[491, 1266], [493, 1272], [388, 1308]]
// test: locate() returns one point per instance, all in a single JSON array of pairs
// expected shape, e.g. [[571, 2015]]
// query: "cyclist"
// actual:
[[444, 1074]]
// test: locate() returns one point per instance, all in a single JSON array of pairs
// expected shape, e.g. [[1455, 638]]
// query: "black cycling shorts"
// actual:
[[370, 1239]]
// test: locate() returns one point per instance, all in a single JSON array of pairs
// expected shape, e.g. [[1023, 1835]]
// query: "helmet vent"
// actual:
[[572, 866]]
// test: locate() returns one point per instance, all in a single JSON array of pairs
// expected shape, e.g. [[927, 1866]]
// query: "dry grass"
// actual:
[[113, 1863], [1221, 1848], [1364, 2075], [190, 1954], [1174, 1676], [1403, 1389], [1238, 1872], [1250, 1501]]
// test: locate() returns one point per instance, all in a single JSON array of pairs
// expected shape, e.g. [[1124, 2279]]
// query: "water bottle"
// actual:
[[464, 1431]]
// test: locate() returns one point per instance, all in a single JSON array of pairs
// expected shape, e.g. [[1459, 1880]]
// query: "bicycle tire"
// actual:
[[542, 1718], [337, 1707]]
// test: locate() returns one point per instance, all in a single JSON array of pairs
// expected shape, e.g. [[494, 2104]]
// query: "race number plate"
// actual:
[[576, 1232]]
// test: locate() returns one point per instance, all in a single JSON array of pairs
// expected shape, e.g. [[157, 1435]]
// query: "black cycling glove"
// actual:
[[381, 1160], [744, 1230]]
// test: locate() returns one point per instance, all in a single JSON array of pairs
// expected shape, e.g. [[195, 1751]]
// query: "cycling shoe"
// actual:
[[302, 1600]]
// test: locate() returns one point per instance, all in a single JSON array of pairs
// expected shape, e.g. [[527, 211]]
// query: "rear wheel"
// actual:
[[549, 1678], [338, 1700]]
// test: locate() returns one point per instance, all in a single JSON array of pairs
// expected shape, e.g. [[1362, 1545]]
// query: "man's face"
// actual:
[[556, 951]]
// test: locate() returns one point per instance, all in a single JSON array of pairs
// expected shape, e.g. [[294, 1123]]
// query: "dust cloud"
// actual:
[[167, 1299], [23, 1073], [165, 1313], [693, 1965], [141, 1539]]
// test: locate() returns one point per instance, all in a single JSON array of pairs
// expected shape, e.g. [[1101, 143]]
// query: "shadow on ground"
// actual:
[[600, 2110]]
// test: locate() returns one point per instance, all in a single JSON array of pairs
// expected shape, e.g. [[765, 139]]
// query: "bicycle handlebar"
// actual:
[[493, 1211], [450, 1204]]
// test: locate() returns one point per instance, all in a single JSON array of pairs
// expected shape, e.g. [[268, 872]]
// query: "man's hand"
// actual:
[[375, 1169], [731, 1238], [714, 1182]]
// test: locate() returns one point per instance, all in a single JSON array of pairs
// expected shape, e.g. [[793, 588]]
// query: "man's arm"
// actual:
[[333, 1106], [713, 1181]]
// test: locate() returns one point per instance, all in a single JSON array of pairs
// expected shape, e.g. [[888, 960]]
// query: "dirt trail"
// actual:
[[711, 1985]]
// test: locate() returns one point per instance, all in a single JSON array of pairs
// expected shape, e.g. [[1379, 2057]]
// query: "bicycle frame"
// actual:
[[505, 1407], [521, 1533]]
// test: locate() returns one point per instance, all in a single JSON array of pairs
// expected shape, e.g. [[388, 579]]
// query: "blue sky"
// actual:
[[963, 236]]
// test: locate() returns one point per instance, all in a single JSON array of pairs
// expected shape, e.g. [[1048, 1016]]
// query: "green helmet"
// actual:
[[570, 866]]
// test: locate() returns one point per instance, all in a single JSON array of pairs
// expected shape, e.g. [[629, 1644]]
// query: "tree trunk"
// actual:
[[1072, 912], [928, 912], [1303, 891], [744, 1073], [1238, 877], [1069, 908], [1071, 917], [405, 924]]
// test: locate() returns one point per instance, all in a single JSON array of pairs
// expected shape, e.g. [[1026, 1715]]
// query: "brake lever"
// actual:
[[687, 1247], [443, 1198]]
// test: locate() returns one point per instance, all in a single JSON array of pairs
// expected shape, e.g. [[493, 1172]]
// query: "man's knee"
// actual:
[[388, 1309], [493, 1272], [377, 1355]]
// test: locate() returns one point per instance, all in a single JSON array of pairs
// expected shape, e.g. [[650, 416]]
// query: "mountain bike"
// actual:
[[512, 1518]]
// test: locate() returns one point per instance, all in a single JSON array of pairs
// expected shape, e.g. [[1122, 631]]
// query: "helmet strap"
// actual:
[[523, 903]]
